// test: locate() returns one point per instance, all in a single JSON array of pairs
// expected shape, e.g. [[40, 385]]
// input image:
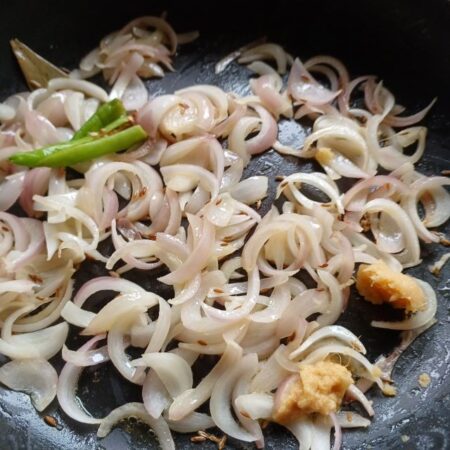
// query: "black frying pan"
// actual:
[[407, 43]]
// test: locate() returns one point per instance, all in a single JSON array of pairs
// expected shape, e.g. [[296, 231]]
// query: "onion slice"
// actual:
[[137, 410], [67, 386], [36, 377]]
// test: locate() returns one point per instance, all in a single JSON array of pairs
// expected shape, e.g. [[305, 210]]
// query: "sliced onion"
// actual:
[[6, 112], [192, 423], [410, 256], [125, 304], [35, 182], [58, 84], [396, 121], [435, 216], [303, 431], [303, 87], [196, 260], [137, 410], [221, 399], [35, 377], [337, 432], [255, 405], [267, 134], [75, 315], [10, 190], [155, 395], [87, 358], [331, 331], [44, 343], [267, 51], [354, 393], [191, 399], [67, 386], [116, 351], [174, 372], [250, 190]]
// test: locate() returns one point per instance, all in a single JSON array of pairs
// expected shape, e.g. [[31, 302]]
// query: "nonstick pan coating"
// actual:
[[406, 43]]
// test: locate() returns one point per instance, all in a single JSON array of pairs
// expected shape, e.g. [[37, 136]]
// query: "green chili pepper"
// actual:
[[104, 115], [32, 159], [80, 151]]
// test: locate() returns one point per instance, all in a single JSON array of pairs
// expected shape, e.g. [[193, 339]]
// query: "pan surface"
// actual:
[[407, 44]]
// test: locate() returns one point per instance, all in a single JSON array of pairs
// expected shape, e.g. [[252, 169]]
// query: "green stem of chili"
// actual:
[[86, 151], [105, 114]]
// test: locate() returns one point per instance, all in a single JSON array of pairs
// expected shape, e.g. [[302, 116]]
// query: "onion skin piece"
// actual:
[[36, 377]]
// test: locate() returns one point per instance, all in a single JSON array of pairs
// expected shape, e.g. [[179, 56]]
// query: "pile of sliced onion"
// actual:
[[178, 208]]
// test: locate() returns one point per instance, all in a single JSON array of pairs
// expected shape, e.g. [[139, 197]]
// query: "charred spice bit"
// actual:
[[51, 421], [201, 342], [218, 291], [35, 278], [141, 193], [218, 201], [324, 265], [152, 237], [291, 337], [445, 173], [279, 178]]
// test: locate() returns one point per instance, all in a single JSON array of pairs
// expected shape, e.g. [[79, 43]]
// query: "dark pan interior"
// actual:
[[406, 43]]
